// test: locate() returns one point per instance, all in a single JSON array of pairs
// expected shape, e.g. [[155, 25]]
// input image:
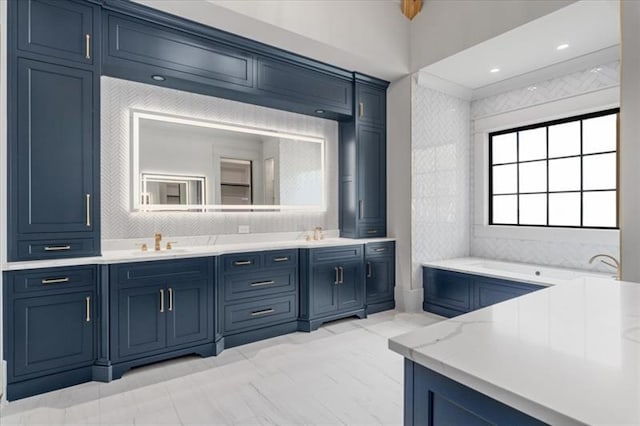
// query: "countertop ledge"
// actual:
[[568, 354], [133, 255]]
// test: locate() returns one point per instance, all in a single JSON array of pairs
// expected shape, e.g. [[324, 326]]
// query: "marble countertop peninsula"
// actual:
[[126, 250], [567, 354]]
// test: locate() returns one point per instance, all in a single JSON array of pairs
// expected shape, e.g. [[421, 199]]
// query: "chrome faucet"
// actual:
[[615, 264], [158, 239]]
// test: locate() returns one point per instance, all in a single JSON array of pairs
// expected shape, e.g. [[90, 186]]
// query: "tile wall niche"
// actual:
[[440, 177], [118, 97], [565, 254]]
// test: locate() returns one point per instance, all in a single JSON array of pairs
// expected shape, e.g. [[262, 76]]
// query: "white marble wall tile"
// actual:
[[119, 96]]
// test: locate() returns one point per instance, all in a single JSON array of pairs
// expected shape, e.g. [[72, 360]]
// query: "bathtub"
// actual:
[[524, 272]]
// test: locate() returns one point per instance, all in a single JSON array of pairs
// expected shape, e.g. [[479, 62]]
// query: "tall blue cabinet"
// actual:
[[53, 130]]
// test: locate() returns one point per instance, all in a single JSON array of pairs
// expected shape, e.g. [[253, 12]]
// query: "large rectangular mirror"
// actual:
[[187, 164]]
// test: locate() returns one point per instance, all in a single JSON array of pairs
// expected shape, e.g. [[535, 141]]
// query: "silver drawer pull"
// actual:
[[88, 304], [379, 249], [261, 283], [242, 262], [57, 248], [262, 312], [337, 280], [369, 272], [55, 280], [372, 231], [280, 259]]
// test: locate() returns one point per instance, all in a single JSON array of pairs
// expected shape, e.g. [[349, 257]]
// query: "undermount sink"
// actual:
[[163, 251]]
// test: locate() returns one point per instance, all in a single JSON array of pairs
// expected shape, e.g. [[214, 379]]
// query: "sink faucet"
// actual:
[[158, 238], [317, 233], [614, 262]]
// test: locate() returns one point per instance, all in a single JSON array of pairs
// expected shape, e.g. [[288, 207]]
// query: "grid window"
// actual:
[[561, 173]]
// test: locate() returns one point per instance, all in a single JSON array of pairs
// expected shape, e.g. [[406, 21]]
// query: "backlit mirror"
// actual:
[[187, 164]]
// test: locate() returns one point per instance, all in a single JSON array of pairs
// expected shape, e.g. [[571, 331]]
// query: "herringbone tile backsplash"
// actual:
[[118, 97]]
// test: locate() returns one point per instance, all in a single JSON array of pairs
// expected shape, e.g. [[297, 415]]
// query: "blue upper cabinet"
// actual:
[[363, 159], [59, 29]]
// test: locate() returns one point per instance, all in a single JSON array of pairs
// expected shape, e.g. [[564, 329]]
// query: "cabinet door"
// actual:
[[324, 295], [380, 273], [141, 320], [446, 289], [52, 333], [187, 312], [372, 105], [63, 29], [55, 149], [489, 291], [351, 287], [371, 181]]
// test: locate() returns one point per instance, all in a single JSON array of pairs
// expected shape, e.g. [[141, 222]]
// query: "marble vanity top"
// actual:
[[568, 354], [214, 248]]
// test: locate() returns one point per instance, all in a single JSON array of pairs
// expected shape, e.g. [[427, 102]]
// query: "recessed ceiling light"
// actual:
[[562, 46], [532, 88], [494, 70], [157, 77], [598, 69]]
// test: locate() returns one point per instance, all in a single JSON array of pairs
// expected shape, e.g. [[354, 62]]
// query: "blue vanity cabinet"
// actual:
[[258, 295], [380, 274], [449, 293], [53, 132], [49, 328], [362, 163], [332, 285], [160, 310], [59, 29]]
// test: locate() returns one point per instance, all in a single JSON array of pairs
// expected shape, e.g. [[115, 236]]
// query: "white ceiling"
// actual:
[[588, 26]]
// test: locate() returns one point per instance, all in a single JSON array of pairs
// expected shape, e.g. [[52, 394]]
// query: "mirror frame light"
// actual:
[[136, 176]]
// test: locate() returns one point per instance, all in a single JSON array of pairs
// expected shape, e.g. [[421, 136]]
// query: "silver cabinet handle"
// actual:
[[341, 274], [57, 248], [360, 209], [281, 259], [55, 280], [262, 312], [88, 304], [261, 283], [361, 110], [369, 272], [170, 299], [242, 262], [372, 231], [378, 250], [337, 280], [87, 46], [161, 300], [88, 212]]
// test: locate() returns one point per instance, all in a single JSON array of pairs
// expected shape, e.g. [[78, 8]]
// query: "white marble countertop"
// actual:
[[568, 354], [523, 272], [180, 252]]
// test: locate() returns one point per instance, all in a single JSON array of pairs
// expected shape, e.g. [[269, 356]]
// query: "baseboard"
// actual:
[[373, 308], [48, 383], [238, 339]]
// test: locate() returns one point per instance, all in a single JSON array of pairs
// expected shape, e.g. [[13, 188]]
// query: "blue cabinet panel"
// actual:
[[372, 105], [323, 289], [62, 29], [491, 291], [260, 313], [262, 283], [187, 311], [380, 274], [435, 400], [372, 180]]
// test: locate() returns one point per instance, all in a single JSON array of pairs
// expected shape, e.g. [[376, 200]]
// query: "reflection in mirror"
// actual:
[[190, 164]]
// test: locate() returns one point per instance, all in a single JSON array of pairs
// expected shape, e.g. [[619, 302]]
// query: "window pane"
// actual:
[[564, 209], [533, 209], [504, 149], [564, 174], [599, 209], [599, 134], [504, 179], [599, 171], [505, 209], [564, 139], [533, 144], [533, 176]]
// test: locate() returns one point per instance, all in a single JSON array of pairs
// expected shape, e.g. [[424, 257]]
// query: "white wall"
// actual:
[[119, 96], [589, 90], [629, 144]]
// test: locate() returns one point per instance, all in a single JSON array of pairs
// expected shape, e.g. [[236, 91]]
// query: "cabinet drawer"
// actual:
[[333, 254], [259, 284], [386, 248], [162, 271], [256, 314], [55, 249], [371, 231], [281, 259], [53, 279], [243, 262]]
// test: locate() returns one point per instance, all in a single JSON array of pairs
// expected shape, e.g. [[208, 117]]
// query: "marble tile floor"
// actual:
[[342, 374]]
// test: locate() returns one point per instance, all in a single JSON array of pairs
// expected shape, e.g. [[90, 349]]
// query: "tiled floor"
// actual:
[[340, 374]]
